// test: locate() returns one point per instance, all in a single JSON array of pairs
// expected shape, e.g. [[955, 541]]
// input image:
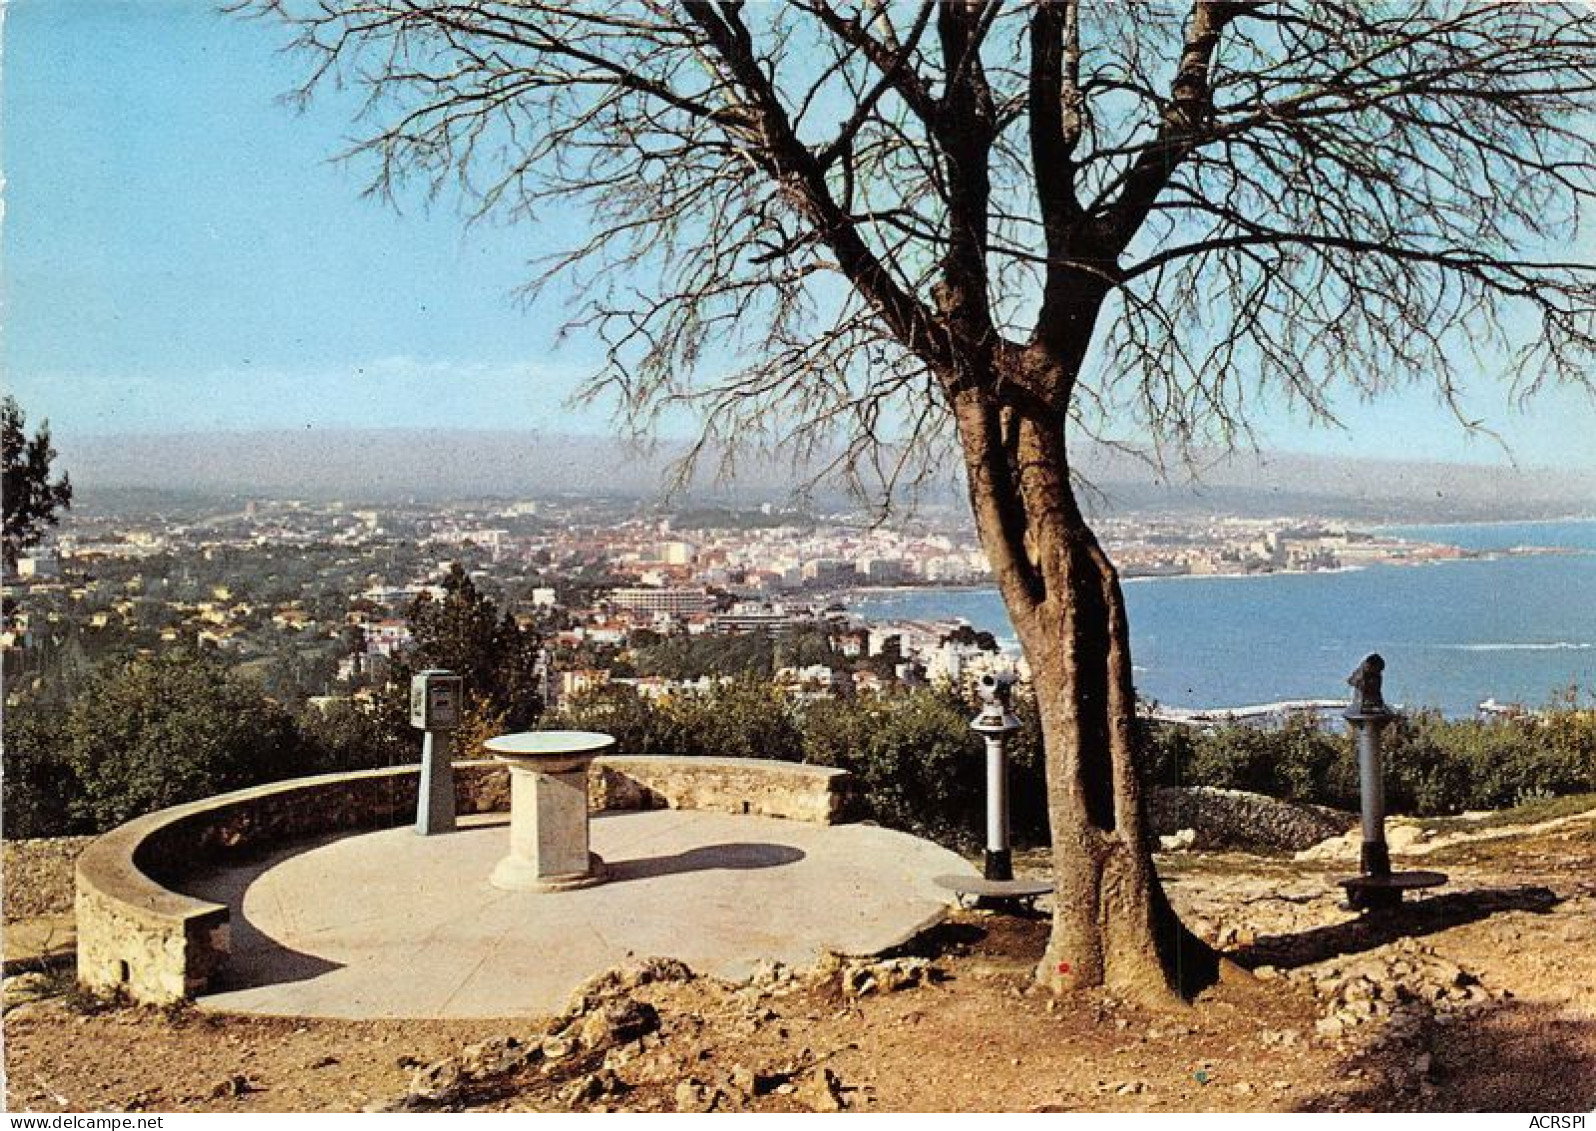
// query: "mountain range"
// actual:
[[431, 466]]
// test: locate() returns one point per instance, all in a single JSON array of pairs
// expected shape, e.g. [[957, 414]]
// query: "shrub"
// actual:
[[640, 727], [35, 780], [343, 736], [160, 730], [744, 718], [1299, 761], [1433, 766], [918, 764]]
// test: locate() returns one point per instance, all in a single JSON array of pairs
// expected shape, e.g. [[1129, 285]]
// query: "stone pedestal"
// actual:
[[435, 796], [548, 810]]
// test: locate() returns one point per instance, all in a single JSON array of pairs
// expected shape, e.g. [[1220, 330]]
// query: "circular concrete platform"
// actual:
[[390, 924]]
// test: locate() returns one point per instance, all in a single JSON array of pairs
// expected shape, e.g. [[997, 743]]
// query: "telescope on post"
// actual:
[[996, 721], [1376, 887]]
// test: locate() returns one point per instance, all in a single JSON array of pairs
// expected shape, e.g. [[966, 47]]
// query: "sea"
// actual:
[[1513, 627]]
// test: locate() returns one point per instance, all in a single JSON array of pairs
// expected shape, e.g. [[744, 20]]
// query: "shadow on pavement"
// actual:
[[706, 858], [254, 958]]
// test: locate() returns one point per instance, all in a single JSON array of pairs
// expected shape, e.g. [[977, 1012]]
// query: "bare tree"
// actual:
[[1020, 225]]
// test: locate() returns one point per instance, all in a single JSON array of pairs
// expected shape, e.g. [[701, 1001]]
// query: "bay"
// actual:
[[1516, 628]]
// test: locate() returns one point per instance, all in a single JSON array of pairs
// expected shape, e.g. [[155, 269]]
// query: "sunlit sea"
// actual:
[[1516, 628]]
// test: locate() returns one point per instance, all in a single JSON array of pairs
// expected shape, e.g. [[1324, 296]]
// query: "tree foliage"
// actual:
[[464, 632], [35, 781], [32, 500], [742, 718], [693, 657], [158, 730], [344, 735]]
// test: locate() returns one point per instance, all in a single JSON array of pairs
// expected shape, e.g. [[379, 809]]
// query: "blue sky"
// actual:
[[180, 254]]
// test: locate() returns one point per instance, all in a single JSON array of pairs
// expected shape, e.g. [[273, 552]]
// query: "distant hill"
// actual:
[[429, 466]]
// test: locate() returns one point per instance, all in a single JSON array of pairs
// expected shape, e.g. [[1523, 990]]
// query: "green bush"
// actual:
[[160, 730], [1433, 766], [344, 736], [35, 780], [1297, 762], [919, 767], [155, 731], [744, 718], [640, 728], [1438, 766]]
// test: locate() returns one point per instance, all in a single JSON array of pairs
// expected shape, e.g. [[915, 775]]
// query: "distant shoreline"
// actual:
[[1469, 555], [1580, 518]]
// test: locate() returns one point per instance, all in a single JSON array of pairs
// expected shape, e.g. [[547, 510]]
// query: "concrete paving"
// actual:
[[391, 924]]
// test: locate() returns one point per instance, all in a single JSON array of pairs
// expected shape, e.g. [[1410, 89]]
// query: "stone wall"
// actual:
[[749, 786], [1221, 819], [139, 936]]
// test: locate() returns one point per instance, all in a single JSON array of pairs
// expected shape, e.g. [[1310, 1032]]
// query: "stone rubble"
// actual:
[[1236, 819], [1402, 835], [821, 1091], [605, 1029], [22, 988], [1404, 984], [1179, 841], [859, 979]]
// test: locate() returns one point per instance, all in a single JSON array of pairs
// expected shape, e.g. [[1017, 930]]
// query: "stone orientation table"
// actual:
[[549, 810]]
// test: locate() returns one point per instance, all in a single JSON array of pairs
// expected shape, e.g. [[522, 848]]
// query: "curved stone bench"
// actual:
[[138, 936]]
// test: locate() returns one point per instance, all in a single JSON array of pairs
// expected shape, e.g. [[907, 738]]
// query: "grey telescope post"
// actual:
[[995, 723], [996, 887]]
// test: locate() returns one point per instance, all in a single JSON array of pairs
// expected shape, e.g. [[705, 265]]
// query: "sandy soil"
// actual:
[[1479, 998]]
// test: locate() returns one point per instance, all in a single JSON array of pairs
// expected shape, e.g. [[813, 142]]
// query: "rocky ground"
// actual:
[[1479, 997], [38, 876]]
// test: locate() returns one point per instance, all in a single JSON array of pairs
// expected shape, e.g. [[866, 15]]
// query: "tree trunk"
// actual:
[[1112, 926]]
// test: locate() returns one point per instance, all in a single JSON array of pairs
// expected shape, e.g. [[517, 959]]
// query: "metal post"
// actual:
[[1375, 859], [435, 801], [1376, 887], [999, 864], [995, 723]]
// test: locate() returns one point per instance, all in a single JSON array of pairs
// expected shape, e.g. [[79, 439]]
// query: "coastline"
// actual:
[[1513, 627], [1463, 554]]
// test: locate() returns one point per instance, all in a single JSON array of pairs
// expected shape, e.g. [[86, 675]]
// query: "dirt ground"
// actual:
[[1481, 997]]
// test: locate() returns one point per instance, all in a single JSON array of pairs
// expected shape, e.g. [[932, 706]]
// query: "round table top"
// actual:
[[549, 743]]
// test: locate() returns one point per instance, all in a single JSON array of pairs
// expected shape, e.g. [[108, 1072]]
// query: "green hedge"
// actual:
[[1433, 766], [159, 730], [920, 765], [921, 768]]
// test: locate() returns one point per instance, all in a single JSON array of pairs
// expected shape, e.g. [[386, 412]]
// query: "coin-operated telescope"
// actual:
[[435, 698], [995, 722], [1376, 887]]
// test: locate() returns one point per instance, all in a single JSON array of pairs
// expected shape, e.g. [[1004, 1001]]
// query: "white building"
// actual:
[[674, 601]]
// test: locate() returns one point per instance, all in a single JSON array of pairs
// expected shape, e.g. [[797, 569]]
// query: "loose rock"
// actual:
[[859, 979], [694, 1096], [617, 1022], [821, 1090]]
